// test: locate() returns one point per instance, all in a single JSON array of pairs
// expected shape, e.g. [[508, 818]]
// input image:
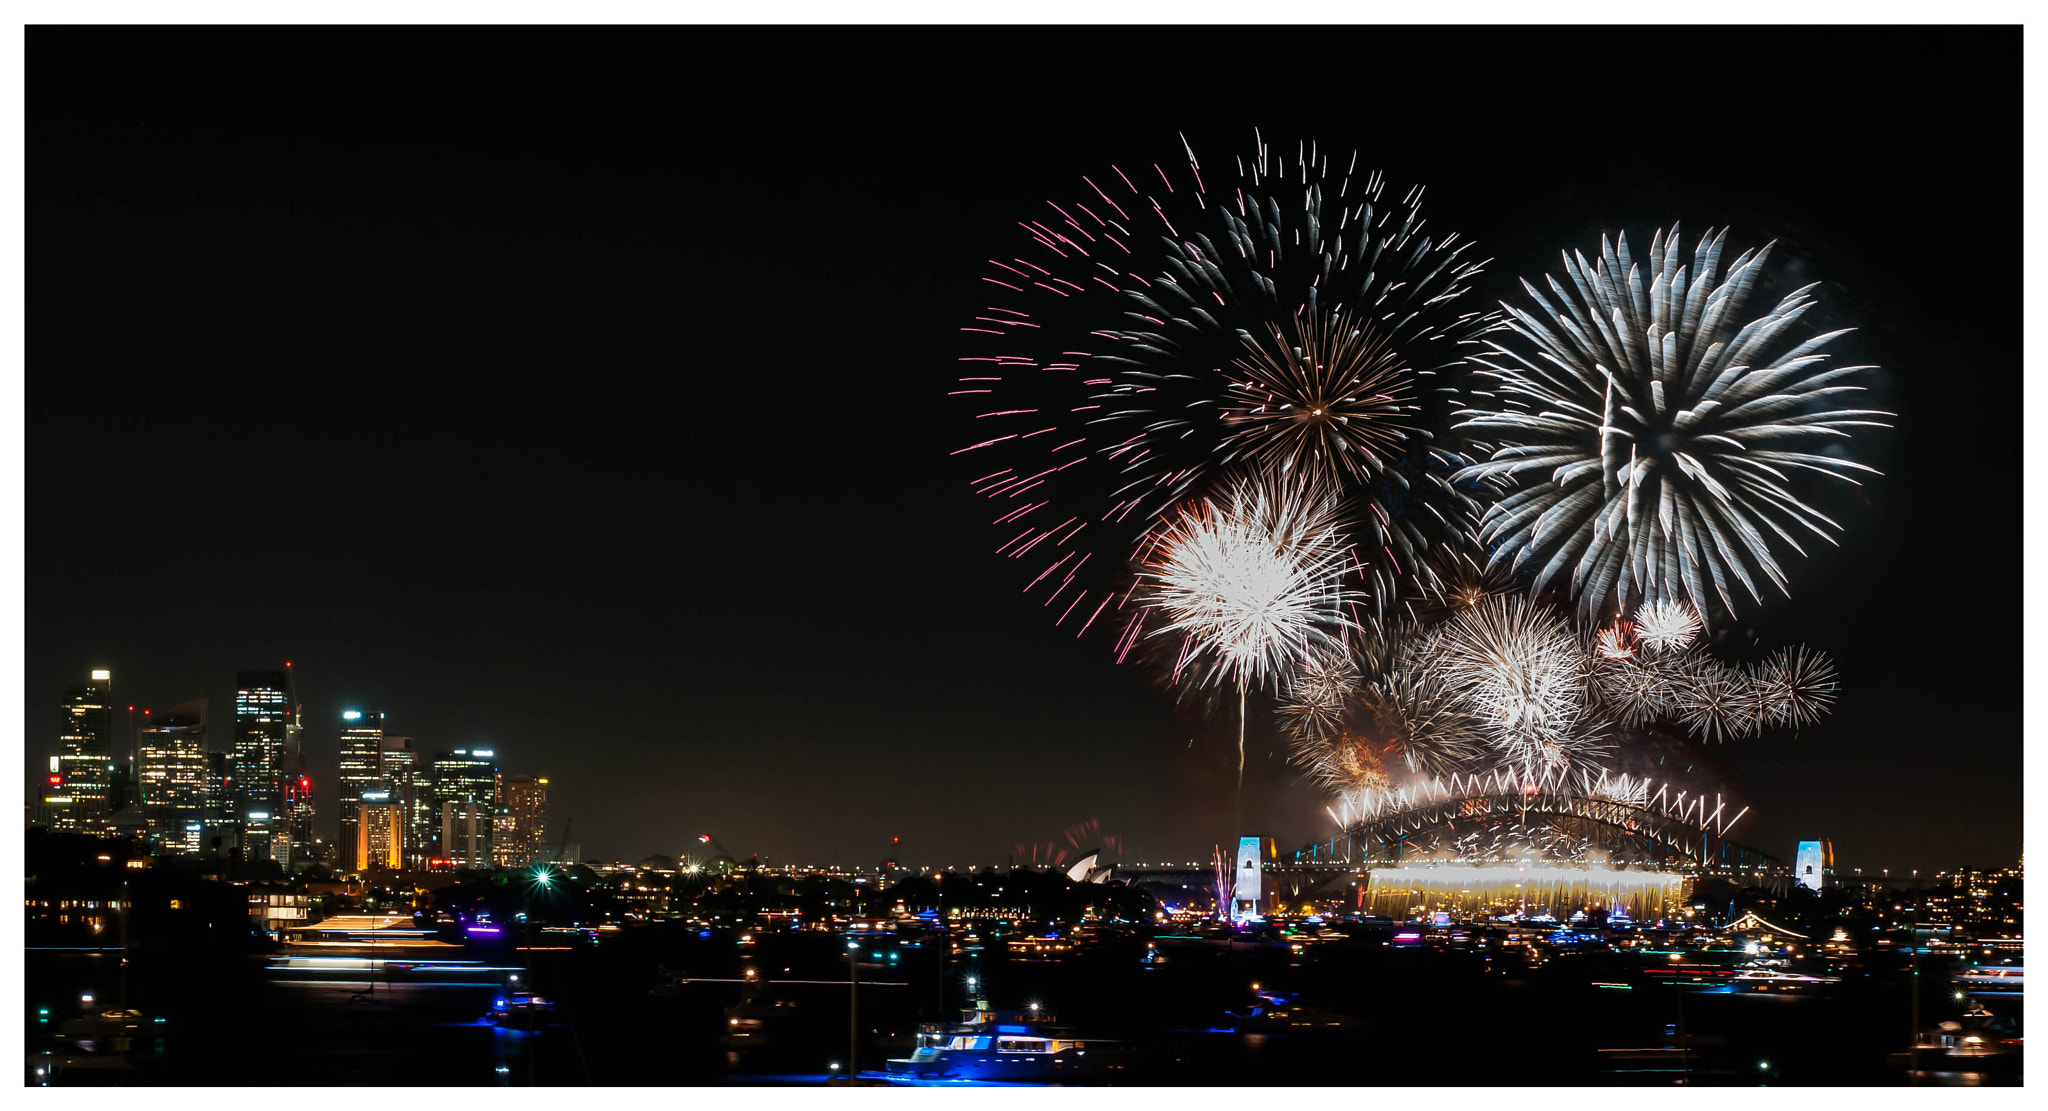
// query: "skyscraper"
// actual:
[[299, 811], [83, 752], [362, 765], [466, 833], [400, 773], [220, 800], [172, 767], [466, 775], [522, 822], [261, 746]]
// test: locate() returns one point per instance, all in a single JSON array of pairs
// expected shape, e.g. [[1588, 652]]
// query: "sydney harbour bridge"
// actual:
[[1484, 841]]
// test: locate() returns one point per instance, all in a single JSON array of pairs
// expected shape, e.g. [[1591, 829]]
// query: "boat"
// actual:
[[519, 1010], [1978, 1041], [1775, 979], [751, 1023], [1027, 1046], [1997, 979]]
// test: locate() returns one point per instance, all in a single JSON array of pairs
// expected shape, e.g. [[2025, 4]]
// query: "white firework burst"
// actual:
[[1521, 673], [1794, 687], [1654, 439], [1255, 581], [1638, 691], [1427, 726], [1319, 693], [1667, 626], [1717, 702]]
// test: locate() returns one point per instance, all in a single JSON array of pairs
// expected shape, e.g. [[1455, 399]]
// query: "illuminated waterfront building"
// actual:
[[466, 833], [522, 823], [1982, 903], [466, 775], [84, 754], [362, 757], [173, 774], [262, 748]]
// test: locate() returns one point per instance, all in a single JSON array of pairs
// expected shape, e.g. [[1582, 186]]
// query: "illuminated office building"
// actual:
[[220, 799], [516, 840], [466, 833], [84, 754], [362, 766], [380, 824], [262, 749], [400, 772], [466, 775], [300, 814], [260, 835], [54, 804], [173, 771]]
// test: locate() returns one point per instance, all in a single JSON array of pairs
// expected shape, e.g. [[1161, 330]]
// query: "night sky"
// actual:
[[581, 393]]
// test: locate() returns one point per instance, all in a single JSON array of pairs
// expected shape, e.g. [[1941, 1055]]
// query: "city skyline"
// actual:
[[699, 613]]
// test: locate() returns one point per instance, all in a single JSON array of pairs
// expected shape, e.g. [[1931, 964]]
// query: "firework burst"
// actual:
[[1254, 583], [1178, 322], [1522, 672], [1427, 728], [1667, 626], [1654, 440], [1793, 688], [1319, 693], [1717, 702]]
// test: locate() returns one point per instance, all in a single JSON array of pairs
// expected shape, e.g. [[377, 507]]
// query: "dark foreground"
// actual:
[[648, 1007]]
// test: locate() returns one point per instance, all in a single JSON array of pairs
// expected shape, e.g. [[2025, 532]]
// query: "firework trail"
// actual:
[[1653, 440], [1178, 322]]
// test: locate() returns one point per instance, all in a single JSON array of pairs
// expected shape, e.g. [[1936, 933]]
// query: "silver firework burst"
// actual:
[[1794, 687], [1254, 581], [1655, 440]]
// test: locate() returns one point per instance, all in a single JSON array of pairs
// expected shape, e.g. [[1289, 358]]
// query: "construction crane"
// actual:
[[707, 839], [562, 849]]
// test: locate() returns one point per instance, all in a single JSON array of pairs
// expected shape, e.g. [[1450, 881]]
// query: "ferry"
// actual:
[[1007, 1046], [1992, 979]]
